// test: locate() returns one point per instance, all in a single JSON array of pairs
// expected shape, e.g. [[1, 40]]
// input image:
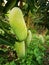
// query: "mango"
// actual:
[[17, 23], [20, 48], [29, 38]]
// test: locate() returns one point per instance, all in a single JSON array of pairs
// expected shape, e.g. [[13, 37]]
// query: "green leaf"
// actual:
[[2, 41], [12, 63]]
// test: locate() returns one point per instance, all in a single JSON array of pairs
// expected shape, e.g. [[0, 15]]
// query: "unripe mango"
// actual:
[[17, 23], [20, 48], [29, 38]]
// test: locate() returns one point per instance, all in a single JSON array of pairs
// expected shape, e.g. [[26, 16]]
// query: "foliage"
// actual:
[[34, 53]]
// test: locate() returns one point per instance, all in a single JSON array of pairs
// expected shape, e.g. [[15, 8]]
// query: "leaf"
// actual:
[[2, 41], [12, 63]]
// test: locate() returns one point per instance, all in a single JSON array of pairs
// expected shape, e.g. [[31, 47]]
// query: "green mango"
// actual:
[[20, 48], [29, 38], [17, 23]]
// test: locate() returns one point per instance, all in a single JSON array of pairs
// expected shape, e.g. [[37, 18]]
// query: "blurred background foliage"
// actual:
[[36, 15]]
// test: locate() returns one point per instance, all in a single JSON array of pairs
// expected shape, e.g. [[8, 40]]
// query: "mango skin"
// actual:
[[29, 38], [17, 23], [20, 48]]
